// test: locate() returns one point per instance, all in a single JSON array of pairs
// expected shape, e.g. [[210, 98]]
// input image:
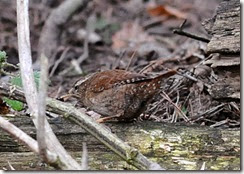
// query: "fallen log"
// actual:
[[174, 146]]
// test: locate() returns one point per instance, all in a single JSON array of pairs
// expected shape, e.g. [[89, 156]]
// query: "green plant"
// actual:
[[14, 104], [18, 81]]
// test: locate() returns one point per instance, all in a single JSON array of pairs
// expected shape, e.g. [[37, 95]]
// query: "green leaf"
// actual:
[[37, 78], [14, 104], [184, 110], [3, 56], [18, 81], [101, 23], [114, 27]]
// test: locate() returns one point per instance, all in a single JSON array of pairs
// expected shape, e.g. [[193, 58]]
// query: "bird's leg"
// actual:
[[105, 119], [67, 96]]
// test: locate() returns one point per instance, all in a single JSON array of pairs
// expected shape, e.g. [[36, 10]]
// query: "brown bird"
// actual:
[[118, 94]]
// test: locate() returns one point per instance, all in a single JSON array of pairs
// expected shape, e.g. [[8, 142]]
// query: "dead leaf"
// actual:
[[165, 10], [4, 109], [130, 36]]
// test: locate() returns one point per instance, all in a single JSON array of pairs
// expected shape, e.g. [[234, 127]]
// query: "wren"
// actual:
[[118, 94]]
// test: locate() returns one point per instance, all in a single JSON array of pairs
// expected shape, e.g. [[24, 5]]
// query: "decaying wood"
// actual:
[[225, 28], [226, 88], [174, 146], [225, 44]]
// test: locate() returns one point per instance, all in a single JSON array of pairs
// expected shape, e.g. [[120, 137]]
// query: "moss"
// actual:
[[185, 149]]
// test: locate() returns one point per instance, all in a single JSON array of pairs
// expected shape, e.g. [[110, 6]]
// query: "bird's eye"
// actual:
[[76, 88]]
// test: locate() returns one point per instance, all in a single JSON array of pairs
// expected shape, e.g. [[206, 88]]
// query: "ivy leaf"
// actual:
[[184, 110], [37, 78], [3, 57], [18, 81], [101, 23], [14, 104]]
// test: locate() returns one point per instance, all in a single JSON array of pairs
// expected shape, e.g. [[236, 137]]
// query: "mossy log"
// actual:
[[175, 147]]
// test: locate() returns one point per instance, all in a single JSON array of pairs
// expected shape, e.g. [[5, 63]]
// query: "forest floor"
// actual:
[[133, 35]]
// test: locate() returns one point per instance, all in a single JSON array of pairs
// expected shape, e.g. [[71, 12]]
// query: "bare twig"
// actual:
[[51, 31], [203, 166], [25, 59], [177, 107], [208, 113], [75, 64], [188, 76], [90, 27], [116, 61], [175, 114], [84, 160], [19, 134], [10, 165], [23, 137], [61, 58], [64, 160], [154, 64], [131, 58], [180, 31], [220, 123], [154, 21], [42, 108]]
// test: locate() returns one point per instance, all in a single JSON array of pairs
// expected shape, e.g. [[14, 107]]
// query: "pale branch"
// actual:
[[51, 31], [19, 135], [24, 50], [75, 63], [64, 160], [90, 27], [84, 159], [25, 139], [42, 108]]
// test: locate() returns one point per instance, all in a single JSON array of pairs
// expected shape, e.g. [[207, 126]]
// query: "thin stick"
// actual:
[[64, 160], [61, 58], [181, 32], [49, 37], [11, 167], [177, 107], [208, 113], [25, 59], [84, 160], [184, 33], [131, 58], [42, 108], [19, 135], [90, 26]]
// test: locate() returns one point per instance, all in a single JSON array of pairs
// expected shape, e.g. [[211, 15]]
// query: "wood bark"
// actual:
[[225, 44], [225, 28], [177, 147]]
